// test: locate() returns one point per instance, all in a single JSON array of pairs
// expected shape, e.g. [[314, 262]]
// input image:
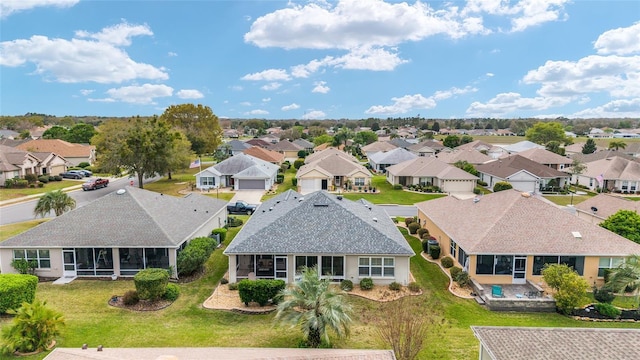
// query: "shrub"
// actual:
[[24, 266], [608, 310], [222, 232], [171, 292], [454, 271], [224, 281], [395, 220], [260, 291], [294, 182], [34, 328], [298, 163], [130, 298], [233, 222], [233, 286], [421, 231], [32, 186], [366, 284], [603, 295], [194, 255], [346, 285], [447, 262], [40, 185], [151, 283], [397, 187], [477, 191], [279, 178], [463, 279], [413, 227], [57, 178], [425, 246], [84, 164], [414, 287], [9, 183], [31, 178], [16, 289], [408, 221], [571, 288], [43, 179], [502, 185], [481, 183], [434, 251], [395, 286]]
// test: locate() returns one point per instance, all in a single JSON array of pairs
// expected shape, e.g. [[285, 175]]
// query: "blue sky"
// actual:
[[322, 59]]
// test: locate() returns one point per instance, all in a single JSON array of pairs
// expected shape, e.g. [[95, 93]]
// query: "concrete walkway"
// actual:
[[249, 196]]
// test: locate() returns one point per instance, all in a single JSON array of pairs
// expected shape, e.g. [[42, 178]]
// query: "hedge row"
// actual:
[[260, 291], [195, 254], [16, 289]]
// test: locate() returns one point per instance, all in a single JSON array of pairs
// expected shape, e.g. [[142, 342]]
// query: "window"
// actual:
[[452, 248], [358, 182], [207, 181], [484, 264], [608, 263], [41, 257], [333, 266], [625, 185], [308, 261], [503, 265], [574, 262], [462, 256], [376, 267]]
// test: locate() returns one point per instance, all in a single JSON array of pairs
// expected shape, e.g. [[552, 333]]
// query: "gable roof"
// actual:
[[475, 145], [615, 168], [544, 156], [285, 145], [432, 144], [237, 145], [136, 218], [304, 143], [512, 164], [469, 155], [429, 167], [258, 142], [599, 155], [11, 157], [332, 162], [265, 154], [328, 152], [607, 205], [522, 146], [378, 146], [60, 147], [508, 222], [328, 146], [240, 162], [394, 156], [400, 142], [318, 223]]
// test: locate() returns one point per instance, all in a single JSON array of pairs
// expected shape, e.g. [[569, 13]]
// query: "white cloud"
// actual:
[[320, 87], [614, 109], [445, 94], [268, 75], [523, 14], [189, 94], [86, 92], [80, 60], [8, 7], [143, 95], [266, 99], [490, 74], [117, 35], [314, 114], [508, 103], [303, 71], [620, 41], [271, 86], [369, 58], [292, 106], [245, 103], [172, 54], [236, 88], [403, 105], [257, 112]]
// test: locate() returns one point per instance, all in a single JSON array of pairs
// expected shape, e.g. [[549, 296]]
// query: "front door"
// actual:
[[519, 269], [281, 267], [325, 184], [69, 263]]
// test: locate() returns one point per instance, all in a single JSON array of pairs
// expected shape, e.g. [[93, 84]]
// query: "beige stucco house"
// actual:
[[331, 169], [71, 152], [431, 171]]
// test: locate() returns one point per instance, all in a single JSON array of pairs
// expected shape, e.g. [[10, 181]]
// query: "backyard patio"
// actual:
[[527, 297]]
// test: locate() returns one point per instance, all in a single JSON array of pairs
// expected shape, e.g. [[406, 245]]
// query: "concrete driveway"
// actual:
[[249, 196]]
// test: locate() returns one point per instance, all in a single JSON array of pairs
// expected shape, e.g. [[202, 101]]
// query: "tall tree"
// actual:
[[57, 201], [465, 139], [625, 223], [365, 137], [544, 132], [144, 147], [627, 276], [589, 147], [315, 306], [617, 145], [451, 141], [464, 165], [576, 169], [555, 147], [435, 127], [80, 133], [55, 132], [198, 123]]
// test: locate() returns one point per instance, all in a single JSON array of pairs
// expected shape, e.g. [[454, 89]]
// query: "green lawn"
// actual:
[[7, 194], [386, 195], [285, 185], [179, 181]]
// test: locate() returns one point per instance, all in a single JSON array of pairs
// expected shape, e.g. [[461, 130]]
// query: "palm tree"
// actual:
[[57, 201], [617, 145], [626, 276], [313, 304]]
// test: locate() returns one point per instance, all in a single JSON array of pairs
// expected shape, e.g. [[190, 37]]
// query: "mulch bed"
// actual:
[[590, 313], [142, 305]]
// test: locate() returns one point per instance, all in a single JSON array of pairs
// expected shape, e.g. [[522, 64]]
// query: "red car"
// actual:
[[96, 183]]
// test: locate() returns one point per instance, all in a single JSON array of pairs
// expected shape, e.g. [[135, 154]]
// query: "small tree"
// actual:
[[451, 141], [501, 185], [625, 223], [617, 145], [626, 276], [34, 328], [57, 201], [576, 169], [570, 288], [589, 147]]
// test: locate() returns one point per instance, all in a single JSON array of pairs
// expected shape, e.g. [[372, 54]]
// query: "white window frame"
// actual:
[[452, 248], [359, 181], [386, 265], [39, 256], [612, 263], [207, 181]]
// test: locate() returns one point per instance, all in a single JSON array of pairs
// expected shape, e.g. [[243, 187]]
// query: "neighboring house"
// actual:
[[431, 171], [507, 237], [381, 160], [270, 138], [507, 343], [119, 234], [490, 150], [287, 148], [306, 145], [505, 132], [599, 155], [473, 157], [235, 147], [8, 134], [522, 146], [615, 174], [17, 163], [73, 153], [576, 148], [401, 142], [265, 154], [598, 208], [547, 158], [377, 146], [327, 146], [345, 239], [523, 174], [596, 133], [331, 169], [51, 163], [231, 133], [427, 148], [241, 172], [632, 149], [258, 142]]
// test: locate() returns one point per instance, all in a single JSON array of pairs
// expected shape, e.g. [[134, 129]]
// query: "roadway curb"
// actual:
[[34, 196]]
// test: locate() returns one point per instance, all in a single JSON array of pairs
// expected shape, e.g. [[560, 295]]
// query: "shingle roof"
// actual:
[[237, 145], [378, 146], [400, 142], [333, 162], [258, 142], [10, 157], [520, 343], [510, 165], [265, 154], [544, 156], [429, 167], [137, 218], [608, 205], [328, 152], [507, 222], [318, 223], [304, 143], [599, 155], [522, 146], [285, 145], [615, 168], [240, 162], [436, 145], [470, 155], [60, 147], [394, 156], [475, 145]]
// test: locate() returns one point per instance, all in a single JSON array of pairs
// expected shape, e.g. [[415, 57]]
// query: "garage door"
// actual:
[[525, 186], [250, 184], [308, 186], [458, 186]]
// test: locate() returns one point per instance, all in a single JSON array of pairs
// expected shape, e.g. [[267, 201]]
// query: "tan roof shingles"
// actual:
[[615, 168], [429, 167], [471, 156], [378, 146], [61, 147], [506, 167], [544, 156], [523, 343], [507, 222], [265, 154], [607, 205]]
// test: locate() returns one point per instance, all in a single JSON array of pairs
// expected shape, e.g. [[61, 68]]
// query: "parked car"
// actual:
[[96, 183], [86, 173], [241, 207], [72, 174]]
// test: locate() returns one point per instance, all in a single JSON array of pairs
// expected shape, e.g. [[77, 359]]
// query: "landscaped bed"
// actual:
[[591, 313]]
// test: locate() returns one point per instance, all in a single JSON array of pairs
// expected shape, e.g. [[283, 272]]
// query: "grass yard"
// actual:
[[285, 185], [8, 194], [7, 231], [386, 195]]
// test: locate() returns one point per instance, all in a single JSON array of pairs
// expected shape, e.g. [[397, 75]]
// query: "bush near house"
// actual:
[[171, 292], [395, 286], [346, 285], [434, 251], [43, 179], [366, 284], [501, 185], [463, 278], [413, 228], [16, 289], [447, 262], [151, 283], [421, 232], [222, 232], [603, 295], [260, 291], [408, 221], [454, 271], [608, 310], [33, 329], [194, 255]]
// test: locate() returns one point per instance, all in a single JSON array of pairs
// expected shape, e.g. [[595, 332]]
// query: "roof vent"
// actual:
[[375, 219], [339, 197], [301, 199], [121, 191], [476, 199], [271, 208], [594, 209], [321, 205], [576, 234]]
